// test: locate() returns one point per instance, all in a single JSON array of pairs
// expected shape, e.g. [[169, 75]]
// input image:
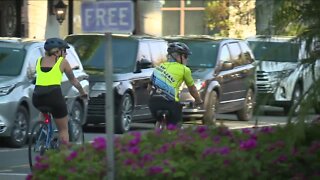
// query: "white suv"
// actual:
[[17, 73], [282, 77]]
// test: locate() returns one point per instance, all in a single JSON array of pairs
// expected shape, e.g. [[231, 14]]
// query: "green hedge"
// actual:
[[290, 152]]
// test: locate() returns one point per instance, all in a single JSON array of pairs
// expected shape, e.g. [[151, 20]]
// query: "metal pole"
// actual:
[[109, 107], [70, 17]]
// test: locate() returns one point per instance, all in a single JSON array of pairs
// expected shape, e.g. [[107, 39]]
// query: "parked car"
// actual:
[[133, 58], [282, 76], [17, 73], [224, 74]]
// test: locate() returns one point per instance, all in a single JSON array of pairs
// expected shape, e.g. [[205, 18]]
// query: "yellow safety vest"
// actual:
[[53, 77]]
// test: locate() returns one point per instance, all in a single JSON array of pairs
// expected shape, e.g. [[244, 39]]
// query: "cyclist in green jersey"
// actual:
[[47, 92], [166, 81]]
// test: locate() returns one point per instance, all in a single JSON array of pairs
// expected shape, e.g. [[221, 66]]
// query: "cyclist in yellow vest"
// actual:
[[166, 81], [47, 92]]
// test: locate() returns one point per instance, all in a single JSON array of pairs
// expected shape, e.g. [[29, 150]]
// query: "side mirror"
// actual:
[[144, 63], [227, 65]]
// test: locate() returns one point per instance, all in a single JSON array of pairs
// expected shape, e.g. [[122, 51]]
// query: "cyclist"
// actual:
[[166, 81], [47, 92]]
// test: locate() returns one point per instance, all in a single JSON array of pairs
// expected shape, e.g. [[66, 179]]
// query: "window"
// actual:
[[11, 61], [247, 55], [235, 52], [224, 54], [72, 59]]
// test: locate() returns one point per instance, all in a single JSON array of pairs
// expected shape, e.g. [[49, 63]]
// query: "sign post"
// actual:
[[108, 17]]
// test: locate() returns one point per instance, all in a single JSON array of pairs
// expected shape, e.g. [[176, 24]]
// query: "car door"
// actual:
[[140, 81]]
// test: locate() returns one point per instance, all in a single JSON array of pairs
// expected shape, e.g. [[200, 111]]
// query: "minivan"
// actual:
[[224, 73], [133, 61]]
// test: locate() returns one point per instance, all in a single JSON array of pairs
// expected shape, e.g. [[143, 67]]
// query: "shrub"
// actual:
[[199, 153]]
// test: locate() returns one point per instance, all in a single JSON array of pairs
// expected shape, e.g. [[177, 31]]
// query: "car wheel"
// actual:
[[245, 114], [19, 131], [295, 100], [77, 112], [124, 114], [209, 117]]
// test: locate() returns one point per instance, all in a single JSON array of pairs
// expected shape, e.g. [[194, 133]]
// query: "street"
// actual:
[[14, 162]]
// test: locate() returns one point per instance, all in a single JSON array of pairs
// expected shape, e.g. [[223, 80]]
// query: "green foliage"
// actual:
[[200, 153]]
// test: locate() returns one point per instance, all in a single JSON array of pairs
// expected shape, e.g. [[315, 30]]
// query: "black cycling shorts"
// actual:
[[54, 99], [159, 103]]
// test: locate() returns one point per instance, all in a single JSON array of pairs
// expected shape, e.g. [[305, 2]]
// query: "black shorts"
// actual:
[[175, 109], [54, 99]]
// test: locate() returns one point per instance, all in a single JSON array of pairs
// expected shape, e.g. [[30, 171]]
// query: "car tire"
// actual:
[[246, 113], [77, 113], [209, 117], [124, 114], [296, 95], [19, 132]]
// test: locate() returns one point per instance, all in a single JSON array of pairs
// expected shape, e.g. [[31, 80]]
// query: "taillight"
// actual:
[[46, 118], [203, 84]]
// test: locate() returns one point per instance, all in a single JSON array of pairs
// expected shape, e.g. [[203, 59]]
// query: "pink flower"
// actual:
[[171, 127], [134, 150], [72, 155], [248, 144], [99, 143], [155, 170], [29, 177], [201, 129]]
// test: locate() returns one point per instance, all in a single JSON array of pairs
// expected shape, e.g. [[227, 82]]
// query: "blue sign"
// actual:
[[107, 16]]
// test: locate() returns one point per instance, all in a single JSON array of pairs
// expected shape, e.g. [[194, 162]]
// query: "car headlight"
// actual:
[[281, 74], [6, 89]]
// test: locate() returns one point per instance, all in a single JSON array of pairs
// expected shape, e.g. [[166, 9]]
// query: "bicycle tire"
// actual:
[[76, 135], [37, 144], [160, 125]]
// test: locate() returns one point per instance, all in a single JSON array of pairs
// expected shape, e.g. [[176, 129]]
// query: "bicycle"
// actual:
[[161, 116], [44, 134]]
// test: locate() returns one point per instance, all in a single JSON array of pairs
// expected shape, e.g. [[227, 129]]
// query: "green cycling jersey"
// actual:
[[169, 76]]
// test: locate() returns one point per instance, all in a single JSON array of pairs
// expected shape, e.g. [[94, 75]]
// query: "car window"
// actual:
[[33, 56], [275, 51], [235, 53], [92, 52], [11, 61], [144, 51], [224, 54], [204, 53], [72, 59], [158, 51], [247, 53]]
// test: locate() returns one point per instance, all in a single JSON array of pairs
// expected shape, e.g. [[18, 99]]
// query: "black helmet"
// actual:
[[178, 47], [55, 43]]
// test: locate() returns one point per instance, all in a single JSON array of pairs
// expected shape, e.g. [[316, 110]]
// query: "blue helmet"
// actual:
[[55, 43], [178, 47]]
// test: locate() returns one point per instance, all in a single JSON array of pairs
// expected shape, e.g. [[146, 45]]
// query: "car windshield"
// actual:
[[275, 51], [204, 53], [92, 52], [11, 61]]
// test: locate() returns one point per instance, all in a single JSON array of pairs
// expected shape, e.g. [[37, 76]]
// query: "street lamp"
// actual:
[[60, 11]]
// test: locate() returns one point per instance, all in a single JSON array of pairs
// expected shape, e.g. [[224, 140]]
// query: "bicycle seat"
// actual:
[[162, 112], [45, 109]]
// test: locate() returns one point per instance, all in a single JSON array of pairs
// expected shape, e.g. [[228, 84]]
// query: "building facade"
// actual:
[[34, 18]]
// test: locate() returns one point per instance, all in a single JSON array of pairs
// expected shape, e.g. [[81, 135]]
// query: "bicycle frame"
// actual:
[[43, 132]]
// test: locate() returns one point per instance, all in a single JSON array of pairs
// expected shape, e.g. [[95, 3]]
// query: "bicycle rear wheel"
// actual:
[[76, 135], [37, 142], [160, 124]]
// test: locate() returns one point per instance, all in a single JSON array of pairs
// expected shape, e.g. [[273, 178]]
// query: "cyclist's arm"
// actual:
[[191, 87], [194, 93], [73, 80]]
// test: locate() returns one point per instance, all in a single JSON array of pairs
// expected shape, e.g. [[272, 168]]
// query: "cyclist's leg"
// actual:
[[175, 116], [62, 125]]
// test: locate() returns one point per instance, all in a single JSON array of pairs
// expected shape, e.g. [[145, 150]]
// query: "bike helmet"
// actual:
[[52, 43], [178, 47]]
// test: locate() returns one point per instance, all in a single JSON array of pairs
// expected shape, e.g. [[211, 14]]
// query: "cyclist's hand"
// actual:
[[84, 96], [198, 104]]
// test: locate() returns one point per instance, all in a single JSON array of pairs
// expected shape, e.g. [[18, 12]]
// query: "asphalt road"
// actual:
[[14, 161]]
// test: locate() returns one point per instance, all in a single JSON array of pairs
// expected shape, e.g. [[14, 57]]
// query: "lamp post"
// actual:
[[60, 11]]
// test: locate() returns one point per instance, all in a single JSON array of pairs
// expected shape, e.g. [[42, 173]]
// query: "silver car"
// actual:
[[17, 74]]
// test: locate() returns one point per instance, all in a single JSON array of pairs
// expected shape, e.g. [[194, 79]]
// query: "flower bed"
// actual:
[[290, 152]]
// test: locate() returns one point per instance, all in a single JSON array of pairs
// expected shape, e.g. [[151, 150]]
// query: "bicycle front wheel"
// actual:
[[37, 142], [76, 135]]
